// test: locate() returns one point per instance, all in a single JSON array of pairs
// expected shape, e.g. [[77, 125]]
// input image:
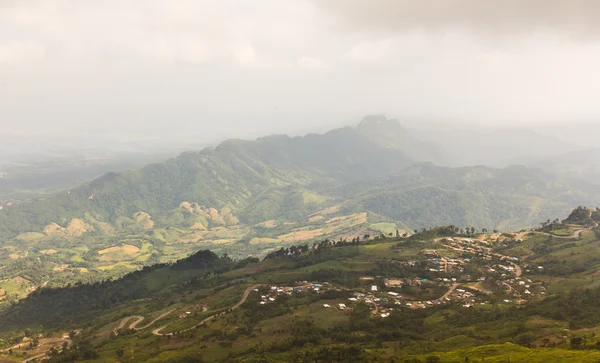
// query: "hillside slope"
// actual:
[[510, 198], [237, 173], [381, 300]]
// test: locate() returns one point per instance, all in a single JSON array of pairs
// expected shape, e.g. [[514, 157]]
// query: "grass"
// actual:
[[385, 227], [30, 236], [76, 258], [116, 265], [16, 287], [259, 240], [502, 353], [312, 198]]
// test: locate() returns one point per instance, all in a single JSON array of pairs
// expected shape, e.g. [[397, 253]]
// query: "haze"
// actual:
[[201, 71]]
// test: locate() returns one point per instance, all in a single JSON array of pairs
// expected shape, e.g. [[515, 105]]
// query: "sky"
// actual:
[[244, 68]]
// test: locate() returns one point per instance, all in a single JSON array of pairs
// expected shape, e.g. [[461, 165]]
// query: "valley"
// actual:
[[248, 198]]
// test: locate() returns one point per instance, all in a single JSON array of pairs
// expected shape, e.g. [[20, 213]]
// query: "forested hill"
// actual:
[[269, 174], [511, 198], [343, 172]]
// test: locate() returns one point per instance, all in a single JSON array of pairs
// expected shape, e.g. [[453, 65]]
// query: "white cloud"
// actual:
[[13, 53], [311, 63], [370, 51], [245, 54], [281, 62]]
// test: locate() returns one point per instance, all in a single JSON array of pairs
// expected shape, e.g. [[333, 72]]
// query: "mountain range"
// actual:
[[367, 168], [246, 198]]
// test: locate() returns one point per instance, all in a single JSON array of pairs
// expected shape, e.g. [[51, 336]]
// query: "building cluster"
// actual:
[[443, 272], [301, 286]]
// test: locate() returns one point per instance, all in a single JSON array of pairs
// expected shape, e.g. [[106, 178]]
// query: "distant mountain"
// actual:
[[247, 198], [258, 180], [390, 133], [425, 194], [286, 178], [583, 164], [492, 147]]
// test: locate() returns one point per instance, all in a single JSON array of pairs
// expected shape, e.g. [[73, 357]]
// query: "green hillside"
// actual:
[[247, 198], [237, 174], [496, 297], [507, 199]]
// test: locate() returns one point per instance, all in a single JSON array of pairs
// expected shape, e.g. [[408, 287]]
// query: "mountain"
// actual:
[[498, 147], [581, 164], [248, 198], [425, 194], [391, 134], [238, 174]]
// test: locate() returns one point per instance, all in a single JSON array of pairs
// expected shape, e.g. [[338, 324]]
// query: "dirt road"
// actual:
[[575, 234], [452, 288], [139, 319], [35, 357], [56, 343], [234, 307], [125, 320]]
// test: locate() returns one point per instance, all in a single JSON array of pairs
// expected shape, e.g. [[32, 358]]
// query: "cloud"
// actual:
[[301, 65], [370, 51], [245, 54], [12, 53], [311, 63], [573, 17]]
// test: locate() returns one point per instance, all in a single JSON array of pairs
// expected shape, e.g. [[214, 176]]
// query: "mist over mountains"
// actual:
[[380, 167]]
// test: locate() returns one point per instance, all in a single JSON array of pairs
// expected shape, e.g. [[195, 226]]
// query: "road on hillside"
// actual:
[[139, 319], [35, 357], [234, 307], [575, 233], [520, 235], [125, 320], [54, 344], [452, 288]]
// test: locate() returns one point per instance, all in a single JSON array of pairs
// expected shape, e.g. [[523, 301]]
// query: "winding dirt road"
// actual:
[[137, 319], [575, 234], [56, 343], [234, 307]]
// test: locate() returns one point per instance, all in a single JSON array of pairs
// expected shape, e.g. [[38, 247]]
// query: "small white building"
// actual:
[[342, 306], [374, 288]]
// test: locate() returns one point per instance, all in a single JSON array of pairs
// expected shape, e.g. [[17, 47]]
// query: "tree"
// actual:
[[120, 352]]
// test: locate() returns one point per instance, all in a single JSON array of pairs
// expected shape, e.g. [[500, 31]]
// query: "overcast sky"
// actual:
[[249, 67]]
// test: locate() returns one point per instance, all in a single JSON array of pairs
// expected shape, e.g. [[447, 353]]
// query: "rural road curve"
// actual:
[[35, 357], [42, 355], [242, 300], [139, 319], [572, 235]]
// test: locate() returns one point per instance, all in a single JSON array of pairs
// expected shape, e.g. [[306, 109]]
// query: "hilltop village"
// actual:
[[455, 280]]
